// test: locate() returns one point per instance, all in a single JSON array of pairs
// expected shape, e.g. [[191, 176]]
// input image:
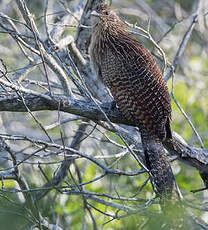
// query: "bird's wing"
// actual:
[[143, 93]]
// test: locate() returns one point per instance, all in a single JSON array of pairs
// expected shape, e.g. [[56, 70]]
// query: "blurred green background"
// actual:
[[190, 89]]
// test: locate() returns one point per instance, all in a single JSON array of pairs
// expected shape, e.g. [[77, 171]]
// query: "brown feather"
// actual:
[[131, 74]]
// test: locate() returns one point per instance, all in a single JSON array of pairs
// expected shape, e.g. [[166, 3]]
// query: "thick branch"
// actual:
[[195, 157]]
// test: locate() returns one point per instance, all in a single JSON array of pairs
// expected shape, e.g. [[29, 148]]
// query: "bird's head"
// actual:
[[103, 17]]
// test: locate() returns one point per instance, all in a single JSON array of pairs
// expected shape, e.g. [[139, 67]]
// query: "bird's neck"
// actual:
[[103, 34]]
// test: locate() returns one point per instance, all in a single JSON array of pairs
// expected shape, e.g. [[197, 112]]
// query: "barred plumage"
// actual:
[[136, 83], [131, 73]]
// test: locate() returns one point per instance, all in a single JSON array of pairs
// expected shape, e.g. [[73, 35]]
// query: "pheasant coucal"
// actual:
[[136, 83]]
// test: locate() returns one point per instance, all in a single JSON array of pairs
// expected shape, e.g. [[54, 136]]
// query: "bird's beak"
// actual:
[[95, 13]]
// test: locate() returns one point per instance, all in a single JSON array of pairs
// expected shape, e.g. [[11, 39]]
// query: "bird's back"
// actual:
[[136, 83]]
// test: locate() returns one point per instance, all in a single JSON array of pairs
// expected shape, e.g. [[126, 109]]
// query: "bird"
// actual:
[[136, 83]]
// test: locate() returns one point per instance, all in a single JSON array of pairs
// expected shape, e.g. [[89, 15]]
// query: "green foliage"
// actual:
[[12, 215], [190, 90]]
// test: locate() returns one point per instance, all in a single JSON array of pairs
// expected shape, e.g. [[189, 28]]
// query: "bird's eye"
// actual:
[[106, 12]]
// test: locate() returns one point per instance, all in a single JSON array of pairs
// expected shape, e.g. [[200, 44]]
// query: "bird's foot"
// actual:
[[111, 106]]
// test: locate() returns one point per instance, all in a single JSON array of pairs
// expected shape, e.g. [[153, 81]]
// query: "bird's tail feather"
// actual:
[[161, 174]]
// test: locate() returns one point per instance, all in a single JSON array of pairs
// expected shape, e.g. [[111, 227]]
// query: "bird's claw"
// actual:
[[111, 106]]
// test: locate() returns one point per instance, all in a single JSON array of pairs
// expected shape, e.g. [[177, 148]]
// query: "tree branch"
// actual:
[[196, 157]]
